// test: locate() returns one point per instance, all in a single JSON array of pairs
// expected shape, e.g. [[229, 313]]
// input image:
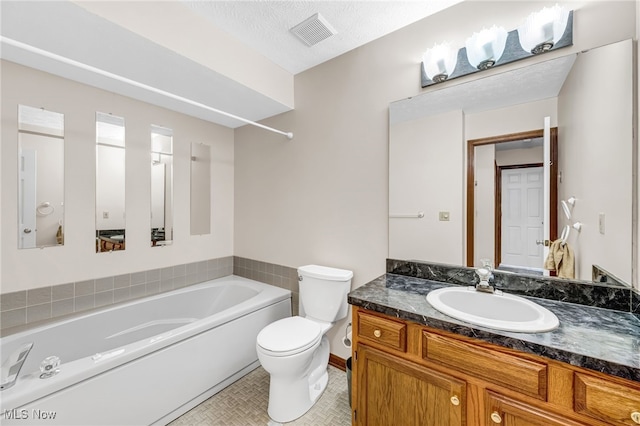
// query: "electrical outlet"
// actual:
[[601, 223], [444, 216], [105, 215]]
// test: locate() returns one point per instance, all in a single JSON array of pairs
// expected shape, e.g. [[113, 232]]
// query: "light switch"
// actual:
[[601, 223], [105, 215], [444, 216]]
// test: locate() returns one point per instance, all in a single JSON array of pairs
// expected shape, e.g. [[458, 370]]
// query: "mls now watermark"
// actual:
[[29, 414]]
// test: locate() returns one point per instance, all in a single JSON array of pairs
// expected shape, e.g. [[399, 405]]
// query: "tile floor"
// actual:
[[244, 403]]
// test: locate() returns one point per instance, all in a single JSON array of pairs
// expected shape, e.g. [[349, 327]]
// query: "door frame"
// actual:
[[553, 194]]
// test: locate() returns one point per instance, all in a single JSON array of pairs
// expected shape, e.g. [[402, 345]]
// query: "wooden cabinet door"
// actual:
[[395, 392], [503, 411]]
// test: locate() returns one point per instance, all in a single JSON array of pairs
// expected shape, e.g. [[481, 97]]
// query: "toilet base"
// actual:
[[290, 399]]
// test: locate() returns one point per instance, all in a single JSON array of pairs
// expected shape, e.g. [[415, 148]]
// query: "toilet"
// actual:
[[295, 350]]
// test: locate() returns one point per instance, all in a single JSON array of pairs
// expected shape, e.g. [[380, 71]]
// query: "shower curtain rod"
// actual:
[[104, 73]]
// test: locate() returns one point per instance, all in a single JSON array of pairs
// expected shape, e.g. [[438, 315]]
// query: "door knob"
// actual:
[[495, 417], [377, 333], [27, 230], [546, 243]]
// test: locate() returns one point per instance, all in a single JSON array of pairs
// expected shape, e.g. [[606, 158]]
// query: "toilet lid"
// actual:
[[289, 335]]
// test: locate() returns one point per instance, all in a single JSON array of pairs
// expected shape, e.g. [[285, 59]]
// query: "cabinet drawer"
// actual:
[[603, 400], [510, 371], [389, 333], [500, 410]]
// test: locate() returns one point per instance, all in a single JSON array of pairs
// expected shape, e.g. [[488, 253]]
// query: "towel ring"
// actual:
[[45, 209], [565, 234]]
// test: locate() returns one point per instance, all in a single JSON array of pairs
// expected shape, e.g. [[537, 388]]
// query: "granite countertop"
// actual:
[[595, 338]]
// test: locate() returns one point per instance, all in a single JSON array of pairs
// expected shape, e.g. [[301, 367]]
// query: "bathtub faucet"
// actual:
[[12, 366]]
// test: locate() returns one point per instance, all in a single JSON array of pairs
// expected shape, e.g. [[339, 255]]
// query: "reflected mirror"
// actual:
[[430, 195], [161, 186], [41, 177], [110, 183], [200, 189]]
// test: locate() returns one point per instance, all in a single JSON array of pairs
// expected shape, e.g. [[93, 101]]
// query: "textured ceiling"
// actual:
[[264, 25]]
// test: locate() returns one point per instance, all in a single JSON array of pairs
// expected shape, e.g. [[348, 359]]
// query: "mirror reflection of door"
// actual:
[[41, 177], [521, 217], [508, 200], [110, 183]]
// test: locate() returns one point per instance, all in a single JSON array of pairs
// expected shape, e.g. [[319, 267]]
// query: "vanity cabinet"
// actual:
[[405, 373]]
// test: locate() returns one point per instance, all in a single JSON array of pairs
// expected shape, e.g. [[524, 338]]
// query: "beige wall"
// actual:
[[323, 197], [484, 219], [595, 157], [77, 260], [421, 179]]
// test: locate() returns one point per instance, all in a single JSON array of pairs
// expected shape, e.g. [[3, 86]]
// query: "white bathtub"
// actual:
[[144, 362]]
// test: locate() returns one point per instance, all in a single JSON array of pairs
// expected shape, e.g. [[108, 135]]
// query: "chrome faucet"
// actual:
[[485, 275], [12, 366]]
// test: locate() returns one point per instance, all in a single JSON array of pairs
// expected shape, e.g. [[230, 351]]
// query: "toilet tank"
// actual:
[[323, 292]]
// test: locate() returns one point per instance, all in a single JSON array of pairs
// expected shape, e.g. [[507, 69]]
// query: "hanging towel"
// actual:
[[560, 259]]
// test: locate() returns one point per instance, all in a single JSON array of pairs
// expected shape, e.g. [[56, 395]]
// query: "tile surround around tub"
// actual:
[[28, 306], [269, 273]]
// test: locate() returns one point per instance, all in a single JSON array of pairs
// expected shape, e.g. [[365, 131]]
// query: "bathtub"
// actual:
[[144, 362]]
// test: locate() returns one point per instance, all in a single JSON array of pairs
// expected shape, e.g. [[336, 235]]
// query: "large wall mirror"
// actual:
[[41, 177], [161, 186], [110, 183], [490, 128]]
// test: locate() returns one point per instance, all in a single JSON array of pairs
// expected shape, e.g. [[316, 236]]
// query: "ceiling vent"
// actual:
[[313, 30]]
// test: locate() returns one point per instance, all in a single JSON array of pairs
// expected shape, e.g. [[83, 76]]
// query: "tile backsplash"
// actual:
[[601, 295], [29, 306]]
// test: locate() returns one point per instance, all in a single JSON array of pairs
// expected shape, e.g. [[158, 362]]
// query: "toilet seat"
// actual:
[[289, 336]]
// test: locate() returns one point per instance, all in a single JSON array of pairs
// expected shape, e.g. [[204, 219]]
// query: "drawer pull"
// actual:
[[377, 333], [635, 416], [495, 417], [455, 400]]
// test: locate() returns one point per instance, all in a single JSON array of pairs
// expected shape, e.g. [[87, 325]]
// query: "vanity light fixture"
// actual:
[[485, 48], [439, 62], [542, 30], [549, 29]]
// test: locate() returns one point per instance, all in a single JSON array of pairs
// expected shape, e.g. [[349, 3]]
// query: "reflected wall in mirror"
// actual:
[[200, 189], [41, 177], [110, 183], [594, 117], [161, 186]]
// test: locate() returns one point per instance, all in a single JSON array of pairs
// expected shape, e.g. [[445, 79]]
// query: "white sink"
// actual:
[[497, 310]]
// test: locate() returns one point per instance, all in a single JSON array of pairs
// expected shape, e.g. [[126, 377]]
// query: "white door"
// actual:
[[522, 217], [27, 199]]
